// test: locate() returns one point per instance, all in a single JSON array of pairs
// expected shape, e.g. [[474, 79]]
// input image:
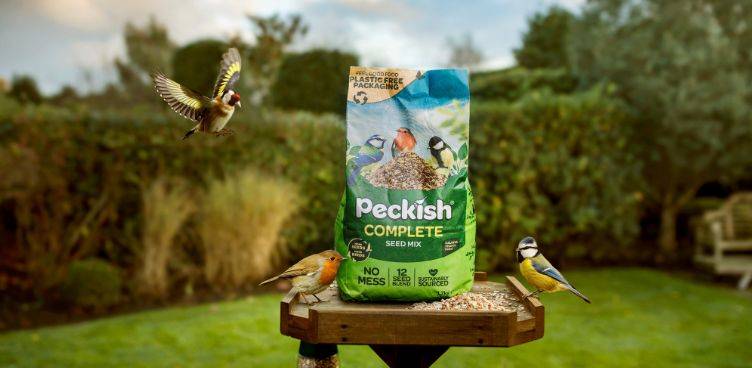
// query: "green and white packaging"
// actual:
[[406, 222]]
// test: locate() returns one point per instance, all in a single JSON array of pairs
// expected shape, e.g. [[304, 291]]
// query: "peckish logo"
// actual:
[[404, 210]]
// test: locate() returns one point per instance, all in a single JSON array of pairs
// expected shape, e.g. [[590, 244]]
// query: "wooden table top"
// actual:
[[335, 321]]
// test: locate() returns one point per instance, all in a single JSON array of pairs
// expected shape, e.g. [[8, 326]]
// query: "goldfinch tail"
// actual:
[[576, 292], [189, 133]]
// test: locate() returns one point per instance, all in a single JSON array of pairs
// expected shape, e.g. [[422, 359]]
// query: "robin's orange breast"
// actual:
[[328, 273], [405, 142]]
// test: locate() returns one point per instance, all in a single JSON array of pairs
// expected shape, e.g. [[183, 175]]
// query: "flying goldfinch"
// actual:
[[211, 114], [312, 274], [539, 272]]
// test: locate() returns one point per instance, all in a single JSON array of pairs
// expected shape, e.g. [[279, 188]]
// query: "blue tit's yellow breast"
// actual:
[[539, 280]]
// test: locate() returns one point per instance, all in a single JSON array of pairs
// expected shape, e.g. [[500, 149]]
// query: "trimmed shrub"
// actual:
[[92, 283], [513, 83], [77, 177], [557, 168], [314, 81]]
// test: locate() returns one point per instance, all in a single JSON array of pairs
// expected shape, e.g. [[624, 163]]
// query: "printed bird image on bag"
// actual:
[[406, 221]]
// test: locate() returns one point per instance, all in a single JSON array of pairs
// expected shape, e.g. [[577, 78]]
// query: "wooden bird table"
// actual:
[[406, 337]]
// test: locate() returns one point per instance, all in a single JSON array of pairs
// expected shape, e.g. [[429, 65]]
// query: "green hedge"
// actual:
[[513, 83], [78, 178], [314, 80], [557, 168], [552, 166]]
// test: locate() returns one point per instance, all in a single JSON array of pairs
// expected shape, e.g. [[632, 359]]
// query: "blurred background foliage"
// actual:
[[195, 64], [597, 142], [555, 166], [313, 81]]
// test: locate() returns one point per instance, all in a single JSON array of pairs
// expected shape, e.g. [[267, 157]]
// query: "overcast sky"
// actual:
[[57, 40]]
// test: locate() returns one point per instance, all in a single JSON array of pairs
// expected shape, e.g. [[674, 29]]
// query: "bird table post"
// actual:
[[406, 337], [317, 355]]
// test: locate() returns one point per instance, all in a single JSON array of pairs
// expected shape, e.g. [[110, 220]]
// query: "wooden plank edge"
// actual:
[[521, 291], [534, 306], [290, 324], [480, 276], [285, 313], [313, 326], [488, 330]]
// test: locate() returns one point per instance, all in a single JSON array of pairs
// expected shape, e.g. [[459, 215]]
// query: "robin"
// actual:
[[403, 142], [312, 274]]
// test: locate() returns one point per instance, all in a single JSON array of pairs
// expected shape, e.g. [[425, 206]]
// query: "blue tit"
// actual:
[[362, 156], [539, 272], [441, 151]]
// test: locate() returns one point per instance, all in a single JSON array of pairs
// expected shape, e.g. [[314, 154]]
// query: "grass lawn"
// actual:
[[639, 318]]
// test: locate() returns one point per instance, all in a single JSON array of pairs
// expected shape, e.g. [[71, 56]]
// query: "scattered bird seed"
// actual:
[[406, 171], [496, 300]]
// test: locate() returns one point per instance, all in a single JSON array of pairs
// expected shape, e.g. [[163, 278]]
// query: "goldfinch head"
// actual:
[[527, 248], [231, 98]]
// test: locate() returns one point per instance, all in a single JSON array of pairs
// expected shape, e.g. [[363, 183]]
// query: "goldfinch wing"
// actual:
[[185, 101], [229, 72], [542, 265]]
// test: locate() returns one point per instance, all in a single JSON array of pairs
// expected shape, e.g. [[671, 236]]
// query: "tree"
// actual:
[[24, 89], [687, 82], [544, 45], [273, 35], [464, 53], [3, 85], [314, 80], [65, 96], [511, 84], [148, 49], [196, 65]]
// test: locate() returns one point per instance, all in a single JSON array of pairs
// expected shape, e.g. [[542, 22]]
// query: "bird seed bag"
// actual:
[[406, 222]]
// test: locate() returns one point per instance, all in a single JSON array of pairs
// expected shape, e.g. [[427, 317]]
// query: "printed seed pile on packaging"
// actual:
[[406, 221], [406, 171]]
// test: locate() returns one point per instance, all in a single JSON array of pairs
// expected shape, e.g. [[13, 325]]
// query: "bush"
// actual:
[[513, 83], [24, 89], [314, 80], [75, 181], [166, 206], [196, 65], [240, 221], [552, 166], [92, 283], [557, 168]]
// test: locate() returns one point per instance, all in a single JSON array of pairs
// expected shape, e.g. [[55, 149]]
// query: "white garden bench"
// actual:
[[724, 239]]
